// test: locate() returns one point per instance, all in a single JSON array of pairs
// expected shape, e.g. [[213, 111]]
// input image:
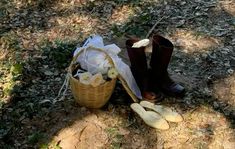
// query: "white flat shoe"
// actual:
[[166, 112], [151, 118]]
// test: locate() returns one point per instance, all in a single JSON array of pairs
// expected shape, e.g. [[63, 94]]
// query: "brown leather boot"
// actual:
[[161, 55], [140, 72]]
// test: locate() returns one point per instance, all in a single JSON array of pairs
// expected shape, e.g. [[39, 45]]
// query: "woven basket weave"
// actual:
[[87, 95]]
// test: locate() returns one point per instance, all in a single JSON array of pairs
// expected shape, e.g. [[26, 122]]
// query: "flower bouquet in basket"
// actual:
[[92, 77], [94, 71], [97, 79]]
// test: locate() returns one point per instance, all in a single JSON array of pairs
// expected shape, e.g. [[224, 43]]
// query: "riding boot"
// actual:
[[139, 69], [162, 50]]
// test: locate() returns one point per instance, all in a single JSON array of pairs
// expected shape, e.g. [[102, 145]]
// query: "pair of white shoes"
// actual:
[[157, 119]]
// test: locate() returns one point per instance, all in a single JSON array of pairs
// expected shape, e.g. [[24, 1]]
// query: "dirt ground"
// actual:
[[37, 39]]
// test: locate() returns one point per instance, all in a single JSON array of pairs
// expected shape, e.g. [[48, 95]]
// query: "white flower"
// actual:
[[79, 71], [96, 80], [141, 43], [112, 73], [85, 77]]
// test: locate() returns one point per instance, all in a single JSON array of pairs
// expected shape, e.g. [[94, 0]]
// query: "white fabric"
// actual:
[[94, 61]]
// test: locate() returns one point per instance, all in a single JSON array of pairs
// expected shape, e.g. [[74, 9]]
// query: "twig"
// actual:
[[151, 30]]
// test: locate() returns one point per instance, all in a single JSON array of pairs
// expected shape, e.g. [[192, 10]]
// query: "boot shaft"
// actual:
[[162, 50], [138, 62], [137, 56]]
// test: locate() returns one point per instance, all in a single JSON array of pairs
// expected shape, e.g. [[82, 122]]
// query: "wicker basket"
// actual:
[[87, 95]]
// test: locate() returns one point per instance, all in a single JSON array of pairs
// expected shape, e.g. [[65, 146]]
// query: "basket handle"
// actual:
[[92, 48]]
